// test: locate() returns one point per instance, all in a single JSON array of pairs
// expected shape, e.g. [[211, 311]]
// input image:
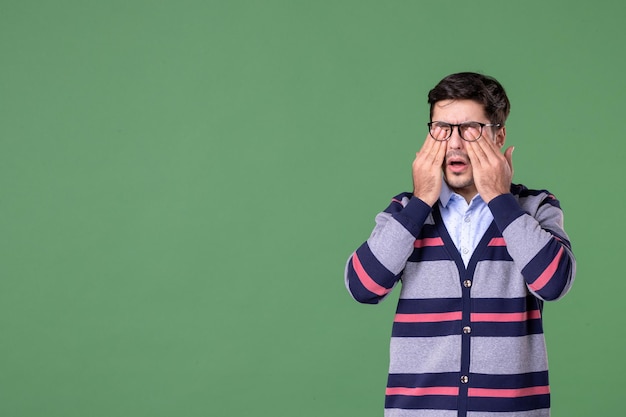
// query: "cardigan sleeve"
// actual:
[[537, 242], [376, 266]]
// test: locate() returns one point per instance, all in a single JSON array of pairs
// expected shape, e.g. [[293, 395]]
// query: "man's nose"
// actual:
[[455, 141]]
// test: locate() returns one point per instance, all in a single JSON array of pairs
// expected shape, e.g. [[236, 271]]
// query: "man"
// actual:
[[477, 257]]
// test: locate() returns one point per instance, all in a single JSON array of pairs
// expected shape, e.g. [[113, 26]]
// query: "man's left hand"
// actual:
[[492, 170]]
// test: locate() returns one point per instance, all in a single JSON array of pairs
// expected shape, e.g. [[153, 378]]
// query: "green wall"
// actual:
[[181, 183]]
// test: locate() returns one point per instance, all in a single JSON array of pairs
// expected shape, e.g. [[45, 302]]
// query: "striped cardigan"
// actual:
[[467, 341]]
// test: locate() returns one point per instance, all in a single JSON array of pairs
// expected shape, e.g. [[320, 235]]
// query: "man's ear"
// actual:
[[501, 137]]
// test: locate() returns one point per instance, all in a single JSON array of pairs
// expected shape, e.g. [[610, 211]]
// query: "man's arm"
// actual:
[[375, 267], [537, 243]]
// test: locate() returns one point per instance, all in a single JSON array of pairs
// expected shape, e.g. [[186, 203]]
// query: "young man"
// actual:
[[477, 257]]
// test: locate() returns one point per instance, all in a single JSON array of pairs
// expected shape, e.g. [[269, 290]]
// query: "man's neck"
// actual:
[[468, 193]]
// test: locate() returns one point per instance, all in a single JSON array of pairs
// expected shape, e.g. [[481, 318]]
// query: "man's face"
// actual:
[[457, 168]]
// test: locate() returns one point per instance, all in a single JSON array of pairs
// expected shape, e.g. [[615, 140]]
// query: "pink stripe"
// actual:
[[395, 200], [428, 317], [546, 275], [417, 392], [497, 241], [429, 241], [506, 317], [365, 279], [508, 393]]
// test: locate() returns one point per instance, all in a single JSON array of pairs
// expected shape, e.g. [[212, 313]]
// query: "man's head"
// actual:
[[463, 99], [482, 89]]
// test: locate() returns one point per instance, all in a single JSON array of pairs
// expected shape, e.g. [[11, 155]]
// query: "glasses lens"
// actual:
[[470, 131], [440, 131]]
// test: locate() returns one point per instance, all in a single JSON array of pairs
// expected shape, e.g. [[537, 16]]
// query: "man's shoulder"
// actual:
[[529, 197]]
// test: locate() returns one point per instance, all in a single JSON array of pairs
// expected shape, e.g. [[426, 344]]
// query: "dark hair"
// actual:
[[472, 86]]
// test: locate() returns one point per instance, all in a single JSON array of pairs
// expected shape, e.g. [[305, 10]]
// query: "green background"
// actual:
[[181, 183]]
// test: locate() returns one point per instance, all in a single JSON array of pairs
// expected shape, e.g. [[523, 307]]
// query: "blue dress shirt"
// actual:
[[466, 223]]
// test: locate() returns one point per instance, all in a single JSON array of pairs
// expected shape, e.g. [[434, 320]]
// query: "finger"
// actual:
[[471, 133], [440, 148], [473, 137], [475, 153], [473, 157], [489, 144], [439, 134], [432, 147], [485, 149], [508, 154]]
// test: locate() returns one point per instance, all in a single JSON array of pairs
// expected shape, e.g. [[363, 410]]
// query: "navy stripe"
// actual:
[[377, 271], [429, 253], [446, 328], [513, 329], [374, 269], [540, 262], [495, 253], [510, 381], [504, 405], [429, 231], [543, 258], [557, 284], [427, 402], [505, 305], [440, 379], [428, 305], [358, 291]]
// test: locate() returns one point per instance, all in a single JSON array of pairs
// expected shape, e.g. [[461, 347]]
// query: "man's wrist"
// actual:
[[426, 199]]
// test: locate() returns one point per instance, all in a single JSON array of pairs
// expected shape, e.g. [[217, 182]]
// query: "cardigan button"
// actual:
[[467, 283], [464, 379], [467, 330]]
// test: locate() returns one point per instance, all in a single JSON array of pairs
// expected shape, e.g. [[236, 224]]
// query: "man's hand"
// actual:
[[492, 170], [427, 170]]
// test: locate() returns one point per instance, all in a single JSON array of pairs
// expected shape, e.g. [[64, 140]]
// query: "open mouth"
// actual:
[[457, 164]]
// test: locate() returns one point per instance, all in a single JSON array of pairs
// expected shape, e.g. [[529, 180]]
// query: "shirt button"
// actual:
[[467, 330], [467, 219], [464, 379], [467, 283], [465, 250]]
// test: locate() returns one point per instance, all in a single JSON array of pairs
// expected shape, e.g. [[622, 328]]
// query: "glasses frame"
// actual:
[[458, 128]]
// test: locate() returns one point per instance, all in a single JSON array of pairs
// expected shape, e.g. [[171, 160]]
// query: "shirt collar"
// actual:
[[447, 194]]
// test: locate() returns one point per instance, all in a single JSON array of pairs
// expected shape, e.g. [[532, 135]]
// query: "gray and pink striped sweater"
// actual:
[[467, 341]]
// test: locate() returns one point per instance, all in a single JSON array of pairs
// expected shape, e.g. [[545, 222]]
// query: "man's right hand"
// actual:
[[427, 165]]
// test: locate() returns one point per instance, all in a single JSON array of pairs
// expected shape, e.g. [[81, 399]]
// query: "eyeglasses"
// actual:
[[446, 130]]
